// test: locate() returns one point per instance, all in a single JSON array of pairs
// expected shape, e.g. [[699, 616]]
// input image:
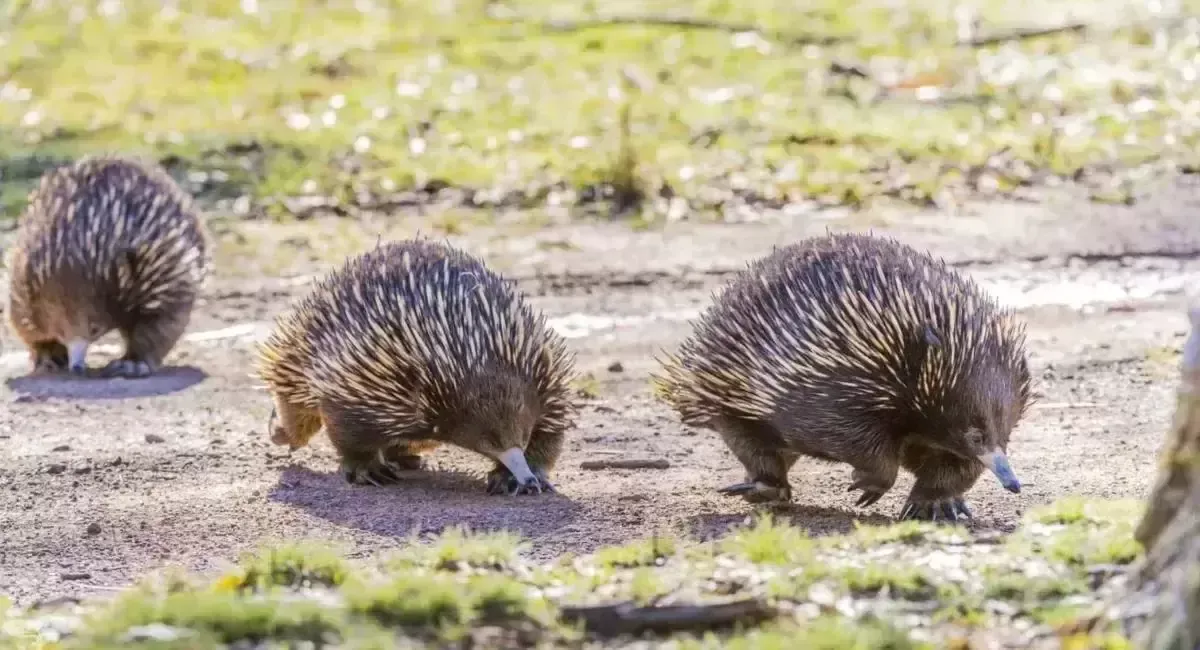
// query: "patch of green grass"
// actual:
[[290, 566], [823, 633], [473, 588], [458, 548], [904, 532], [1017, 587], [636, 554], [897, 581], [218, 616], [1070, 510], [305, 108], [767, 541]]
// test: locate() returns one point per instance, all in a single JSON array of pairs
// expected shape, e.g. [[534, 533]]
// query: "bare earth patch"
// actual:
[[178, 470]]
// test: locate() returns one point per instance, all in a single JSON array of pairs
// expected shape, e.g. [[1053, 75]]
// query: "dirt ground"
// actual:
[[104, 480]]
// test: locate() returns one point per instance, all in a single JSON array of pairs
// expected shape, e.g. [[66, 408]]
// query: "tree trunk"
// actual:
[[1162, 604]]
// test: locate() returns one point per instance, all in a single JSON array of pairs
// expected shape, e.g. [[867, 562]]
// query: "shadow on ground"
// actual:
[[815, 520], [170, 379], [425, 502]]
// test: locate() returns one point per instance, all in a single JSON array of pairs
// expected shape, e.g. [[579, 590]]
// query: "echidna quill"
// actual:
[[856, 349], [106, 243], [414, 344]]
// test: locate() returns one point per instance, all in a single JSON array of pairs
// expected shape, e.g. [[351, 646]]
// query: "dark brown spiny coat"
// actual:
[[860, 350], [412, 345], [106, 243]]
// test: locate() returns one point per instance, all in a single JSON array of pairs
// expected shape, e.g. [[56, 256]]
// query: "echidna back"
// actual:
[[858, 323], [418, 316]]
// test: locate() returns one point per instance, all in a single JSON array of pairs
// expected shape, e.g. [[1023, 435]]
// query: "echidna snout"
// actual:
[[77, 355], [997, 463], [514, 460]]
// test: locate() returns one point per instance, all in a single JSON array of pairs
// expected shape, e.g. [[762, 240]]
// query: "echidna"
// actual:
[[856, 349], [413, 344], [106, 243]]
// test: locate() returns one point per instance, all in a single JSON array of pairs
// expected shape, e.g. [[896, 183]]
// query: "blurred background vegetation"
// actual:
[[560, 109]]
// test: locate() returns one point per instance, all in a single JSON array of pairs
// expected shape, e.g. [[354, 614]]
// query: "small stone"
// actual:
[[83, 470], [616, 366], [154, 632], [154, 438], [93, 528], [76, 576], [56, 468], [62, 448]]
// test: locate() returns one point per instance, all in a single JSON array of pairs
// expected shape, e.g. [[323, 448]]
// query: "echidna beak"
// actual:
[[997, 462], [514, 460], [77, 356]]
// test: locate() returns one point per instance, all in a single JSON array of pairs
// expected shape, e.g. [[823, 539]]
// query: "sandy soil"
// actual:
[[104, 480]]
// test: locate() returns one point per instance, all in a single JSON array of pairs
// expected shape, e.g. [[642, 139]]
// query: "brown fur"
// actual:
[[414, 345], [106, 243], [855, 349]]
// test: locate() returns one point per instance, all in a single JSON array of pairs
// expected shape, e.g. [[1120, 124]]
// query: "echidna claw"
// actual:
[[501, 481], [951, 510], [128, 368], [758, 492], [378, 473]]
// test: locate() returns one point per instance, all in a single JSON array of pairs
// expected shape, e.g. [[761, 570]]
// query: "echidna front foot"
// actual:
[[49, 358], [128, 368], [952, 509], [501, 480]]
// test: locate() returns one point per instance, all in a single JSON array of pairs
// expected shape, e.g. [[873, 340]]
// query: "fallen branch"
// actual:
[[626, 618], [625, 463]]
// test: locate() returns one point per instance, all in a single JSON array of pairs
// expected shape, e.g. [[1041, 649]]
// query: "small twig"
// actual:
[[668, 21], [625, 463], [625, 618], [1023, 33]]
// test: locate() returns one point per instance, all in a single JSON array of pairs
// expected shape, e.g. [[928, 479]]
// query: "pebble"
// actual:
[[76, 576], [93, 528], [62, 448], [56, 468], [154, 438], [616, 366]]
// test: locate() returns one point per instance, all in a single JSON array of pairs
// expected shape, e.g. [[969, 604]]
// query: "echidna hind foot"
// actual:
[[146, 344], [758, 492], [767, 465], [378, 470]]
